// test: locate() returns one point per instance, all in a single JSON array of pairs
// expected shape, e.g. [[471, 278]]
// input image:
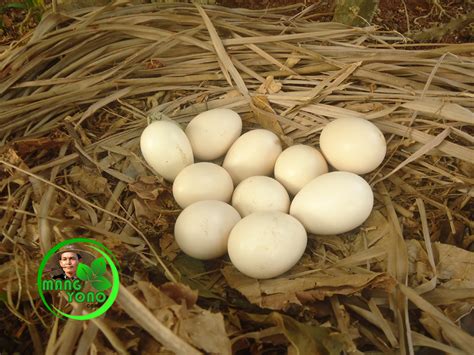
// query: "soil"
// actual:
[[400, 15], [404, 16]]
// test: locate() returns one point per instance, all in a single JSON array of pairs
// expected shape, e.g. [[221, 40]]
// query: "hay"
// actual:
[[78, 91]]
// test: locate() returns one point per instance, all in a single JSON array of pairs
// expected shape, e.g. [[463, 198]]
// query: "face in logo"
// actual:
[[69, 262]]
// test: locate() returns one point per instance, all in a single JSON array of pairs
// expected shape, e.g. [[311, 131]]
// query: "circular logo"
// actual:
[[81, 282]]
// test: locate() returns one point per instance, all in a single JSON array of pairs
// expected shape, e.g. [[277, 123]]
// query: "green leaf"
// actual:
[[101, 283], [15, 5], [84, 272], [99, 266]]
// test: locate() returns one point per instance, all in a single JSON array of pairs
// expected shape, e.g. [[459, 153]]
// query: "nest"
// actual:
[[76, 95]]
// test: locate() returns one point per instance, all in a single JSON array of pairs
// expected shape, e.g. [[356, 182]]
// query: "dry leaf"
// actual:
[[169, 247], [201, 328], [206, 331], [89, 181], [269, 86], [179, 293], [266, 117], [147, 187], [278, 293], [304, 338], [28, 145], [154, 298], [293, 59], [419, 268], [455, 266], [431, 325], [153, 211]]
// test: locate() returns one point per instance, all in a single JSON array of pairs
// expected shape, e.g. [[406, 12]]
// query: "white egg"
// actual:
[[298, 165], [258, 194], [202, 229], [202, 181], [166, 148], [333, 203], [254, 153], [211, 133], [353, 144], [266, 244]]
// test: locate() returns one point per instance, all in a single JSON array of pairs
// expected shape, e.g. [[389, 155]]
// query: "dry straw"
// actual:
[[78, 91]]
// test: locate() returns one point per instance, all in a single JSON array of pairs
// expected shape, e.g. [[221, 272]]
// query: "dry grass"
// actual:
[[78, 91]]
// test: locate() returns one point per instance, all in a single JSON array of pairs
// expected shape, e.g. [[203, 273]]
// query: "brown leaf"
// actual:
[[89, 181], [455, 266], [152, 210], [432, 326], [292, 60], [9, 155], [303, 338], [267, 118], [179, 293], [419, 268], [203, 329], [269, 86], [7, 21], [154, 298], [280, 292], [247, 286], [28, 145], [169, 247], [206, 331], [147, 187]]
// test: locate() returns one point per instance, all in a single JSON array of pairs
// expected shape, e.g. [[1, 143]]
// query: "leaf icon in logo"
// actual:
[[84, 272], [99, 266], [101, 283]]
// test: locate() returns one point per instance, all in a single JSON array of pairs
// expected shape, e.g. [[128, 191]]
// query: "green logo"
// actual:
[[73, 287], [94, 274]]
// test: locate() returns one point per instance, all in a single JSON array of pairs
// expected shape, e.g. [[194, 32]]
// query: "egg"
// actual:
[[211, 133], [260, 193], [298, 165], [333, 203], [353, 144], [202, 181], [266, 244], [254, 153], [166, 148], [202, 229]]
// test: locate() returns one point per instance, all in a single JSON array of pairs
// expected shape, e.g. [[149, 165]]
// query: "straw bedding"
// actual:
[[75, 97]]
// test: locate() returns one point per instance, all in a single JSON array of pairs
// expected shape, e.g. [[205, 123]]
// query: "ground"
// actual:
[[399, 15], [410, 16]]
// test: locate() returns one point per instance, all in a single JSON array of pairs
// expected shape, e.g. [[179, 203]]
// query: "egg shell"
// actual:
[[202, 229], [202, 181], [266, 244], [333, 203], [252, 154], [297, 165], [212, 132], [166, 148], [353, 144], [258, 194]]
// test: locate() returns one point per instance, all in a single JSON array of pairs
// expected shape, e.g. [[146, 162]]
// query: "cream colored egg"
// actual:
[[353, 144], [202, 229], [266, 244], [333, 203], [298, 165], [212, 132], [166, 148], [202, 181], [254, 153], [258, 194]]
